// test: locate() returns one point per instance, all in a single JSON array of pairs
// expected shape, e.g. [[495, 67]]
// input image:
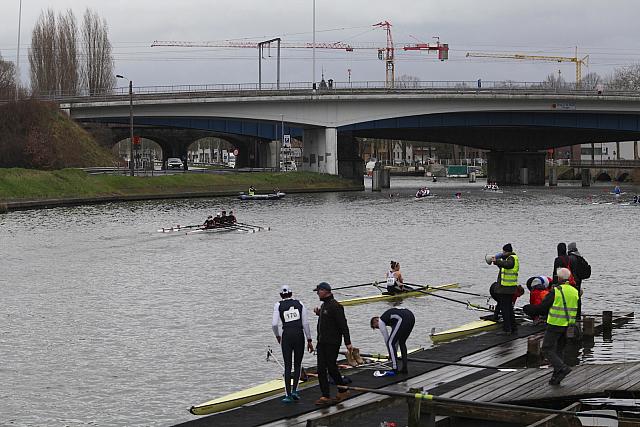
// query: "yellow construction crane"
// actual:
[[578, 61]]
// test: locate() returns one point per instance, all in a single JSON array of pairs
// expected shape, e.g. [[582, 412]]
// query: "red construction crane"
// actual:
[[387, 53]]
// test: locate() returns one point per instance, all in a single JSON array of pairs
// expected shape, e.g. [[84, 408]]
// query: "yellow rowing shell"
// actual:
[[464, 330], [242, 397], [397, 297]]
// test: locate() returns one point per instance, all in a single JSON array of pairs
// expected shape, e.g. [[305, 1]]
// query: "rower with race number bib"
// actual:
[[290, 316]]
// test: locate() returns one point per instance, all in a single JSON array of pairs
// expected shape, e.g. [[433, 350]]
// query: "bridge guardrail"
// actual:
[[337, 88]]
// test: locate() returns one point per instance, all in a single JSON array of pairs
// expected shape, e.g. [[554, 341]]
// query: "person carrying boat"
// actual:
[[252, 191], [505, 287], [395, 282], [290, 316], [561, 307], [332, 329], [401, 321], [209, 223]]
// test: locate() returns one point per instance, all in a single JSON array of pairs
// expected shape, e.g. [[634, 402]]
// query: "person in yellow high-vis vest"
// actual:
[[505, 287], [561, 307]]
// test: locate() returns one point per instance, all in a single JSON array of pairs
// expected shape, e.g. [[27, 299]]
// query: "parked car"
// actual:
[[174, 163]]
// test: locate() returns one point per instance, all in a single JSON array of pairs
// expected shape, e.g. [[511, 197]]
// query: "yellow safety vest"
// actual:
[[252, 192], [509, 276], [557, 314]]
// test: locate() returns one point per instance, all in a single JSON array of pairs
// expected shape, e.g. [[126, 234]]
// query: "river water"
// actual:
[[105, 321]]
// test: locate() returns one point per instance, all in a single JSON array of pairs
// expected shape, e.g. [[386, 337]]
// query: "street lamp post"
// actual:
[[17, 80], [131, 158]]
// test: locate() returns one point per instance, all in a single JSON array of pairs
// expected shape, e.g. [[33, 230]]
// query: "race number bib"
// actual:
[[291, 315], [391, 281]]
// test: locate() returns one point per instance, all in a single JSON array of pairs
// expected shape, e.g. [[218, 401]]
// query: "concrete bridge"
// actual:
[[514, 121]]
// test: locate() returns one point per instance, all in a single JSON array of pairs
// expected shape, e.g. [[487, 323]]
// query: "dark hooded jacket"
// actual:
[[562, 261]]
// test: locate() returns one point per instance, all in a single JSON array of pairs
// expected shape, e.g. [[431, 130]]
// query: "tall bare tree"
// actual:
[[97, 67], [625, 78], [42, 56], [7, 79], [67, 54]]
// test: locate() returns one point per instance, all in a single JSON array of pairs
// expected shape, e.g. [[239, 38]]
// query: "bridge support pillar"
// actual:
[[553, 176], [516, 168], [350, 164], [320, 152], [586, 177]]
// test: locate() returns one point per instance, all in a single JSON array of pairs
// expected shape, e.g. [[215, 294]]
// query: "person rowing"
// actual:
[[395, 282], [231, 218], [209, 222]]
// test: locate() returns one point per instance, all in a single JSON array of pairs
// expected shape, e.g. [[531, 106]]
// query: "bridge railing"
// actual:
[[605, 163], [337, 88]]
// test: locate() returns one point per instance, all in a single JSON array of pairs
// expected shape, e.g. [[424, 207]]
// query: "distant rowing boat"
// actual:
[[272, 196], [423, 291], [429, 196]]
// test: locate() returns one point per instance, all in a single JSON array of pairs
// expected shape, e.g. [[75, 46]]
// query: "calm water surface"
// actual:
[[105, 321]]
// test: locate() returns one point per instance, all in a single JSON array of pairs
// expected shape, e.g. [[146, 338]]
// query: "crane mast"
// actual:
[[575, 59]]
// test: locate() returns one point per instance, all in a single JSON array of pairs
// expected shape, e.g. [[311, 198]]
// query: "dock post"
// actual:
[[414, 408], [588, 326], [588, 332], [533, 352], [607, 324]]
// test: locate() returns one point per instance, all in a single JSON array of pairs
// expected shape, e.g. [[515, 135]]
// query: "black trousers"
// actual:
[[327, 355], [553, 345], [398, 337], [292, 344], [505, 305]]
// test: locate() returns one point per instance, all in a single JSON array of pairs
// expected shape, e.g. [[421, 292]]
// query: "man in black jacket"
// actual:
[[332, 329]]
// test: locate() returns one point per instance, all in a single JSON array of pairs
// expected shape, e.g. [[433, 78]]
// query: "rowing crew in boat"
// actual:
[[221, 220]]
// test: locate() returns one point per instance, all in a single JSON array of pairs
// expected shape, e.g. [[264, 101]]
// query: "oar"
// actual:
[[444, 362], [478, 404], [447, 290], [178, 228], [249, 225], [353, 286], [467, 303]]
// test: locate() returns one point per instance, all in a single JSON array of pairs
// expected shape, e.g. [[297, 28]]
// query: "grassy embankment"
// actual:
[[26, 184]]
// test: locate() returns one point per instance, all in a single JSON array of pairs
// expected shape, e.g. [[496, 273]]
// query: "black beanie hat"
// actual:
[[507, 248]]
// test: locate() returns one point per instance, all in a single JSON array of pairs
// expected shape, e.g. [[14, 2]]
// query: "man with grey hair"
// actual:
[[561, 307]]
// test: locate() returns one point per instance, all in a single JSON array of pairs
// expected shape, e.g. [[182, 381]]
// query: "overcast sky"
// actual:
[[605, 30]]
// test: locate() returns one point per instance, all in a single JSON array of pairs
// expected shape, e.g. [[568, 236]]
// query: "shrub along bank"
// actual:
[[26, 184]]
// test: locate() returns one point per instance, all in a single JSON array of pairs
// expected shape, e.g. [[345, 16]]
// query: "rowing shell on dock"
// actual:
[[270, 388]]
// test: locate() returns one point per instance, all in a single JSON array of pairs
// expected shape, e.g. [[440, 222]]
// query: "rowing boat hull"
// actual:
[[239, 398], [270, 388], [396, 297], [274, 196], [470, 328]]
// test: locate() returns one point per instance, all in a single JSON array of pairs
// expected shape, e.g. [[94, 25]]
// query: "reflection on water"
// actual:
[[106, 321]]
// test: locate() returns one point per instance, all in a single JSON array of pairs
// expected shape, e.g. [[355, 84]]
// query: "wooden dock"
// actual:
[[478, 386]]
